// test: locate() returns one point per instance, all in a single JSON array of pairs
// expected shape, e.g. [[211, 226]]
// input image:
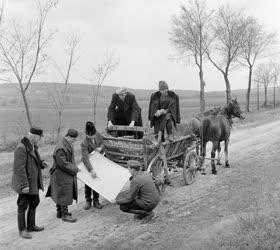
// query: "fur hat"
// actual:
[[90, 128], [162, 85], [36, 131]]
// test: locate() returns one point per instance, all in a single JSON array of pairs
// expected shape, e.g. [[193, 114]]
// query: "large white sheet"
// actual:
[[111, 177]]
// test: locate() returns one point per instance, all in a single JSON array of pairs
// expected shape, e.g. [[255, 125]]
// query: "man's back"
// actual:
[[148, 196]]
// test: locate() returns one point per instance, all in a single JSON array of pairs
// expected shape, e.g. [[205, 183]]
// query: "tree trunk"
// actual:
[[249, 90], [258, 97], [59, 123], [228, 92], [202, 85], [274, 96], [265, 96], [26, 106]]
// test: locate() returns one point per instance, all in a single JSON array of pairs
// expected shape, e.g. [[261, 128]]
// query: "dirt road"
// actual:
[[188, 217]]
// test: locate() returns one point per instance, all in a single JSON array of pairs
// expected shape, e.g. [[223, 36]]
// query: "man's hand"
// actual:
[[44, 165], [93, 174], [158, 113], [110, 124], [132, 124], [25, 190], [163, 111]]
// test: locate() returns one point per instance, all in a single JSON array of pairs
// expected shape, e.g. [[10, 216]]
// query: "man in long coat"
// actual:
[[164, 111], [27, 180], [63, 182], [124, 110]]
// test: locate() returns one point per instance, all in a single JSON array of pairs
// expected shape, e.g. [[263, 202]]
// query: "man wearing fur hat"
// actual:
[[63, 186], [93, 141], [143, 194], [27, 180], [124, 110], [164, 111]]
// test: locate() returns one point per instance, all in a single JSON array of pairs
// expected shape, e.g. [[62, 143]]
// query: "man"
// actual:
[[92, 141], [125, 111], [164, 111], [143, 194], [63, 182], [27, 180]]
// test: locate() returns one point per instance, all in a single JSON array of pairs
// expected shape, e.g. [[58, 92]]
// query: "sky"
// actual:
[[136, 33]]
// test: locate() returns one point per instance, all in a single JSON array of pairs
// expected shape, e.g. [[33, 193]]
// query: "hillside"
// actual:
[[79, 104]]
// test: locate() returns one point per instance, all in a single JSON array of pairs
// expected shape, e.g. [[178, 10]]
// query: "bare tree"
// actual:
[[229, 27], [257, 80], [23, 51], [190, 36], [60, 91], [100, 73], [265, 76], [275, 76], [257, 43]]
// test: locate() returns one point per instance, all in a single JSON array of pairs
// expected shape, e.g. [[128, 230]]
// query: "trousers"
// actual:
[[24, 202]]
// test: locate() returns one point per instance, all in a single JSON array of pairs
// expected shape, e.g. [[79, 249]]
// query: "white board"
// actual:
[[111, 177]]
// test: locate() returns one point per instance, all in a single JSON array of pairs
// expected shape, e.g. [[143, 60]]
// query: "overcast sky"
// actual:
[[137, 33]]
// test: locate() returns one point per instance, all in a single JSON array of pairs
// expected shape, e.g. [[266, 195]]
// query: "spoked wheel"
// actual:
[[156, 169], [190, 167]]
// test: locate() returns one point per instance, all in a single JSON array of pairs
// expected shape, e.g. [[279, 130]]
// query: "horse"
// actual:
[[194, 124], [216, 128]]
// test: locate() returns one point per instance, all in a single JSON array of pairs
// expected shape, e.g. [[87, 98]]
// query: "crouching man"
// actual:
[[143, 195], [63, 186]]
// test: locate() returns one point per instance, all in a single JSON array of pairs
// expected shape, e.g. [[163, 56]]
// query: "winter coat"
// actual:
[[123, 112], [143, 191], [173, 108], [27, 168], [89, 145], [63, 186]]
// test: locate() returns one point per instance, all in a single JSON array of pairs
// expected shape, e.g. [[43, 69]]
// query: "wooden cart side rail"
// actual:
[[145, 130]]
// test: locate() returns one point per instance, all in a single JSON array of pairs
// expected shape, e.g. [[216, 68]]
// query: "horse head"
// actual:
[[234, 109]]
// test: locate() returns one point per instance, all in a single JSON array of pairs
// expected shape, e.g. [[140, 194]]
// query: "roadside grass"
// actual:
[[258, 229]]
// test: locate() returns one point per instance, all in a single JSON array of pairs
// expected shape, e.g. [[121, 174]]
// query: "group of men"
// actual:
[[143, 196]]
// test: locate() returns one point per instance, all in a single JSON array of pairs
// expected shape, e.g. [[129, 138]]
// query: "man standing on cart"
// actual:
[[164, 111], [124, 110]]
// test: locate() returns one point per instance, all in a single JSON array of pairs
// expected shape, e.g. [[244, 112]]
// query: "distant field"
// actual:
[[79, 106]]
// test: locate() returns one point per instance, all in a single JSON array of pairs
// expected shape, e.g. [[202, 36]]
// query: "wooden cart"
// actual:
[[157, 159]]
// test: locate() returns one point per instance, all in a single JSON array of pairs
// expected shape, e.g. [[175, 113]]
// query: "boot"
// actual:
[[35, 229], [66, 216], [87, 205], [25, 235], [97, 204], [58, 212], [21, 221]]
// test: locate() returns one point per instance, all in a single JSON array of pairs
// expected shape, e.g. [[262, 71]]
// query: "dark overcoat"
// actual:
[[27, 168], [63, 186], [173, 108], [123, 112]]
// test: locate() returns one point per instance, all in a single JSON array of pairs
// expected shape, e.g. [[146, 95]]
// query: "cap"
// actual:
[[36, 131], [134, 164], [162, 85], [72, 133]]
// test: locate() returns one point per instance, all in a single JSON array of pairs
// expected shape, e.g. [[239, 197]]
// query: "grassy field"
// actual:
[[78, 109]]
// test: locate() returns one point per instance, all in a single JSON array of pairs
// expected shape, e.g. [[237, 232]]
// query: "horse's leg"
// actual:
[[202, 158], [226, 153], [213, 151], [219, 154]]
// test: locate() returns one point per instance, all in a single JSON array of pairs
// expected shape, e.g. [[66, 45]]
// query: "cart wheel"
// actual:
[[156, 169], [190, 167]]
